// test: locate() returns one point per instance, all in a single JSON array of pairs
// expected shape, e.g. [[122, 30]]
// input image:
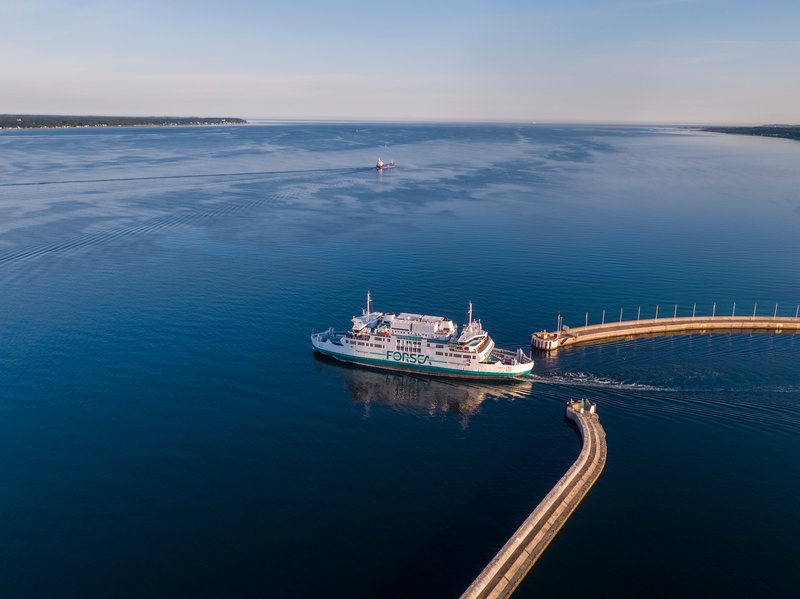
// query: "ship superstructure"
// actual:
[[421, 343]]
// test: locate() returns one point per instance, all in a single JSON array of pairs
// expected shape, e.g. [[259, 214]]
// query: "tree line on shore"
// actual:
[[33, 121], [782, 131]]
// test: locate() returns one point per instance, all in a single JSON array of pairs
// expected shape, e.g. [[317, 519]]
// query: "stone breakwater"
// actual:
[[630, 329], [507, 569]]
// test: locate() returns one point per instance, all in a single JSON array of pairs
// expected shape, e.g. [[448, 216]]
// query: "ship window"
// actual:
[[438, 353]]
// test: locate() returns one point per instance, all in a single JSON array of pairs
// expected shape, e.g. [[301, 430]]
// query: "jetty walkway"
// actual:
[[565, 336], [504, 573]]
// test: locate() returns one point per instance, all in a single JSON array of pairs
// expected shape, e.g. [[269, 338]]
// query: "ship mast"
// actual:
[[369, 301], [469, 319]]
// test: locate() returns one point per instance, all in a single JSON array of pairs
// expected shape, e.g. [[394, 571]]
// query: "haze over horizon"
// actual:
[[657, 61]]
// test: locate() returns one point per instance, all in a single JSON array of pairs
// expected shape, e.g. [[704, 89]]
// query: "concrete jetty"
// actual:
[[629, 329], [507, 569]]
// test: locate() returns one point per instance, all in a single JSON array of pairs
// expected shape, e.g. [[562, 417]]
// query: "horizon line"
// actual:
[[410, 121]]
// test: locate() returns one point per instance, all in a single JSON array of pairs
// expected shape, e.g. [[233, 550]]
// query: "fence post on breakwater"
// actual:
[[714, 310], [694, 309], [604, 317], [638, 313], [587, 318], [620, 315], [675, 313], [656, 311], [733, 312], [775, 314], [754, 310]]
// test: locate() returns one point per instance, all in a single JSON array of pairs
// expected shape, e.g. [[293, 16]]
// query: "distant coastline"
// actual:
[[37, 121], [781, 131]]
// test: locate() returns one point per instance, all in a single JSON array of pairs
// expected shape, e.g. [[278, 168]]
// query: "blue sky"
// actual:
[[655, 61]]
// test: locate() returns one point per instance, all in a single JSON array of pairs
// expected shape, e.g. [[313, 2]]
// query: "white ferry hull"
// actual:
[[419, 363]]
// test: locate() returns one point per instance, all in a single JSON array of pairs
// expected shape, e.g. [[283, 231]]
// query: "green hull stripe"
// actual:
[[418, 368]]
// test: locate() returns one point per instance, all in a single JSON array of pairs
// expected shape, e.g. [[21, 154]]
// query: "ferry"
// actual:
[[382, 166], [422, 344]]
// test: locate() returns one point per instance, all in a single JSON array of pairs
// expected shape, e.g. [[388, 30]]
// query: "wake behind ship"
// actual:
[[422, 344]]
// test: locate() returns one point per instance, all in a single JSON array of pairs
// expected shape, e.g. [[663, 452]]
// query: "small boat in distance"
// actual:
[[382, 166]]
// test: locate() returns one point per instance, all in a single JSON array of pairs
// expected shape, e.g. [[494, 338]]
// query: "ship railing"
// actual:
[[352, 335], [512, 357], [327, 334]]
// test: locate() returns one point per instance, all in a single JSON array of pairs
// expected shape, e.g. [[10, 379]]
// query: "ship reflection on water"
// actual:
[[421, 394]]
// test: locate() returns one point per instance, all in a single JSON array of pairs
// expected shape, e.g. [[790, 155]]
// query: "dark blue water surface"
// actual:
[[165, 428]]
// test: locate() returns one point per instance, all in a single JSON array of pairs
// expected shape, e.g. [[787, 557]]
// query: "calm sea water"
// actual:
[[165, 428]]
